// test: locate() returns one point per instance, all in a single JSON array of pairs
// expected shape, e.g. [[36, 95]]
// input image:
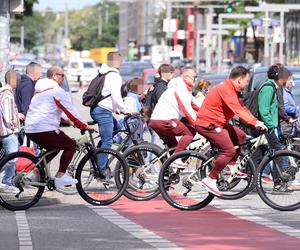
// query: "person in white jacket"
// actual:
[[103, 112], [49, 104], [174, 104]]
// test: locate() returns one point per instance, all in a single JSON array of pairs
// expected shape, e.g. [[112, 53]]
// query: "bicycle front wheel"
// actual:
[[182, 188], [278, 180], [144, 166], [29, 181], [102, 192]]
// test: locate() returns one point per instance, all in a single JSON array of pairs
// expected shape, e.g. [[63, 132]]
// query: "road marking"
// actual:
[[134, 229], [247, 215], [25, 242]]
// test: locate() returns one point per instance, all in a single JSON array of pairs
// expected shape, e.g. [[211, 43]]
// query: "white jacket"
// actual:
[[47, 106], [175, 103], [112, 86]]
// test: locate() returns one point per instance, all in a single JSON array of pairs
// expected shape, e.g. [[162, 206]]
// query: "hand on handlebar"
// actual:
[[260, 126], [91, 128]]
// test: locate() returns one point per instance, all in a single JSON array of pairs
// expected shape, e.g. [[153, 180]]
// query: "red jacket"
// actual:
[[221, 104]]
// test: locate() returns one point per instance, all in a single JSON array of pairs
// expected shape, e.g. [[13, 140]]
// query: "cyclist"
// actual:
[[220, 105], [174, 104], [49, 103]]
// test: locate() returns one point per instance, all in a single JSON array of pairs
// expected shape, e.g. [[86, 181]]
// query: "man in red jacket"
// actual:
[[220, 105]]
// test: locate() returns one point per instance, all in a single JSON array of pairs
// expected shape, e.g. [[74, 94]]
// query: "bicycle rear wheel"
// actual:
[[30, 182], [102, 192], [181, 188], [144, 167], [285, 195]]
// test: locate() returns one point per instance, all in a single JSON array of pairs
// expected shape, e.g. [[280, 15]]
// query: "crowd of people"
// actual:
[[174, 109]]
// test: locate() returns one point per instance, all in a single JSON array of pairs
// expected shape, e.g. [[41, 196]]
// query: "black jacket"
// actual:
[[283, 116], [160, 86], [24, 93]]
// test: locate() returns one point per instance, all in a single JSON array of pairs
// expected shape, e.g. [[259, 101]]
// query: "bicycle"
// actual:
[[286, 197], [181, 188], [144, 162], [81, 151], [33, 179]]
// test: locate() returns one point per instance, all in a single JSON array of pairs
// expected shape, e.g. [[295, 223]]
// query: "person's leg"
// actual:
[[105, 122], [165, 131], [238, 137], [187, 134], [10, 145], [219, 138], [56, 140]]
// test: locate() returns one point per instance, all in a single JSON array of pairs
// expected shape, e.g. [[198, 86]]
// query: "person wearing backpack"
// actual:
[[102, 113], [268, 111], [9, 128]]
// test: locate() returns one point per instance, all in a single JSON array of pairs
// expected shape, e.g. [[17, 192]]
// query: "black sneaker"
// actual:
[[282, 188], [100, 174]]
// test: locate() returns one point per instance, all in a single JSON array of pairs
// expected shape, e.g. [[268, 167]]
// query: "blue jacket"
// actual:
[[24, 93], [290, 105]]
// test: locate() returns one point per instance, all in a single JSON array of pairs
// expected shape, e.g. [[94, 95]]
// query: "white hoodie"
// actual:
[[112, 86], [47, 106]]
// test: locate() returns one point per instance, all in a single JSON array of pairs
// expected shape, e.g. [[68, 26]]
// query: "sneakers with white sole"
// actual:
[[8, 189], [211, 186], [178, 163], [65, 180], [230, 169]]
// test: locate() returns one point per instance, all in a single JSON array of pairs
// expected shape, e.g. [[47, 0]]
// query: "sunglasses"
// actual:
[[62, 75]]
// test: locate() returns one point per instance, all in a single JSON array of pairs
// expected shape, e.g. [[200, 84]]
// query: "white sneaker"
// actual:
[[65, 180], [230, 169], [178, 163], [211, 186], [8, 189]]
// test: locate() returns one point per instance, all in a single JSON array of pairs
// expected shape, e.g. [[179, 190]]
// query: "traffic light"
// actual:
[[229, 8]]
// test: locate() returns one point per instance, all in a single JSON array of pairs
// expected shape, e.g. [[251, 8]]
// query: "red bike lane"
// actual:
[[209, 228]]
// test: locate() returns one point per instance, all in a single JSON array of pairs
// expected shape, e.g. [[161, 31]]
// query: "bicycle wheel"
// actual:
[[237, 187], [283, 193], [30, 182], [102, 192], [144, 166], [181, 187]]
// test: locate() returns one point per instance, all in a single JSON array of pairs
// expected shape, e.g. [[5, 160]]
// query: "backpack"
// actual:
[[147, 101], [93, 95], [251, 99]]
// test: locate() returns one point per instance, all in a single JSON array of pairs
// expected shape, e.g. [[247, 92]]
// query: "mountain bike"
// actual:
[[182, 188], [36, 175]]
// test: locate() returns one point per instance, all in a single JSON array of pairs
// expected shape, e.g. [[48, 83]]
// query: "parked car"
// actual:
[[85, 68], [131, 69], [20, 65], [214, 78]]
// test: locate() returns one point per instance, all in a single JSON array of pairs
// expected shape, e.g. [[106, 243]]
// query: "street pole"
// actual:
[[169, 15], [208, 43], [266, 47], [197, 51], [66, 34], [5, 37], [281, 59], [22, 39], [219, 43]]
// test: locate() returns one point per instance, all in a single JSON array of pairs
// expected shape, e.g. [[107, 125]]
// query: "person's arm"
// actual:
[[63, 102], [264, 105], [115, 82], [7, 106], [25, 95], [237, 107], [184, 101], [290, 106]]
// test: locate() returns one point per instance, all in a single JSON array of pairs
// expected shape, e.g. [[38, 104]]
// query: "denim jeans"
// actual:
[[10, 145], [107, 123]]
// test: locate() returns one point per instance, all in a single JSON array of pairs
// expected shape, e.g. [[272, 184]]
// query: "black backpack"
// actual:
[[93, 95], [147, 102], [251, 99]]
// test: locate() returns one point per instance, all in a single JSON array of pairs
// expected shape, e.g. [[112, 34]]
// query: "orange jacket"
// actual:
[[221, 104]]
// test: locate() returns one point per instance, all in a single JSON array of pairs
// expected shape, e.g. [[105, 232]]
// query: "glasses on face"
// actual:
[[62, 75]]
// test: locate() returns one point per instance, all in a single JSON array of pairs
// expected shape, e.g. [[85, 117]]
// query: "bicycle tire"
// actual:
[[143, 185], [11, 201], [168, 175], [94, 193], [265, 190]]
